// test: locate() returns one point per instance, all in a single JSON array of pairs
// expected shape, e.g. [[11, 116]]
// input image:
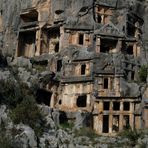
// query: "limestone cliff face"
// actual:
[[86, 56], [10, 17]]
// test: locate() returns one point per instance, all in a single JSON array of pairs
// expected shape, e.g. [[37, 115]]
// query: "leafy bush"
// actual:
[[27, 112], [143, 72], [5, 141], [66, 125], [9, 93]]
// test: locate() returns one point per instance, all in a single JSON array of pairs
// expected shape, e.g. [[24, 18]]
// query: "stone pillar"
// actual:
[[101, 107], [117, 86], [88, 100], [87, 40], [121, 117], [98, 43], [76, 38], [87, 69], [119, 45], [1, 23], [132, 115], [52, 102], [38, 42], [100, 123], [109, 83], [98, 118], [110, 117], [135, 50], [110, 123], [61, 38], [138, 51]]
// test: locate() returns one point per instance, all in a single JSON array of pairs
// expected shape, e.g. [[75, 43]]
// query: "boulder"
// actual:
[[26, 138]]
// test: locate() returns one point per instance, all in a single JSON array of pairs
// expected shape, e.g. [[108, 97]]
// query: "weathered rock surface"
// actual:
[[54, 73]]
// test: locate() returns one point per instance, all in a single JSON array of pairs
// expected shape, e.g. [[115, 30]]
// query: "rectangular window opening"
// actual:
[[31, 16], [105, 83], [83, 69], [132, 75], [106, 105], [59, 65], [81, 101], [81, 39], [107, 45], [126, 106], [116, 106]]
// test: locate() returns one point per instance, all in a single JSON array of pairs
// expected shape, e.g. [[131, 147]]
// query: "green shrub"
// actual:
[[66, 125], [9, 93], [5, 141], [143, 72], [27, 112]]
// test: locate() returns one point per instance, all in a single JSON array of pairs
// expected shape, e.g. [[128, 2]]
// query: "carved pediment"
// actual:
[[108, 67], [109, 29]]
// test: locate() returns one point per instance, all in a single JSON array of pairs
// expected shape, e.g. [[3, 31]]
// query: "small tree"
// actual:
[[27, 112], [143, 73]]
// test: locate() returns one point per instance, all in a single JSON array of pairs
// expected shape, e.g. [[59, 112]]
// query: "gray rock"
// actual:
[[21, 62], [5, 75], [48, 141], [3, 115], [129, 89], [55, 115], [26, 138], [82, 119], [49, 122], [63, 137]]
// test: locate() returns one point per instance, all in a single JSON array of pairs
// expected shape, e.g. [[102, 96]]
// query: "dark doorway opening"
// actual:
[[126, 124], [132, 75], [63, 118], [26, 44], [99, 19], [81, 101], [56, 47], [115, 126], [43, 97], [129, 50], [105, 123], [59, 65], [83, 68], [81, 39], [107, 45]]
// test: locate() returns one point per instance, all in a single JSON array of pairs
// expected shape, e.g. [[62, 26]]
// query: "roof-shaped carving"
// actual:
[[110, 30]]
